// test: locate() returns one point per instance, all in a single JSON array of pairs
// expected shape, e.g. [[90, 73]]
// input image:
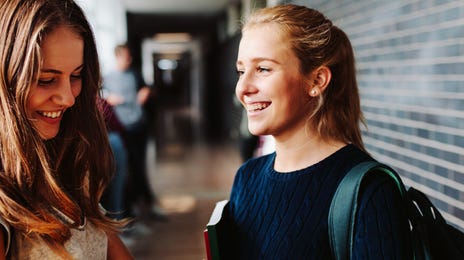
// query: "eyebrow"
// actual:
[[259, 59], [54, 71]]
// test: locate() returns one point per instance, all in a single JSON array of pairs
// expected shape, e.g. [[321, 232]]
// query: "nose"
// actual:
[[64, 94], [245, 85]]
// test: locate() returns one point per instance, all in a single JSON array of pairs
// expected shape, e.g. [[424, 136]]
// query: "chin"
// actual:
[[257, 130], [258, 133], [48, 136]]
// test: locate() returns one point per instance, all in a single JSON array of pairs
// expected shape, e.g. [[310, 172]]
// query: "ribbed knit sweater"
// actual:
[[284, 215]]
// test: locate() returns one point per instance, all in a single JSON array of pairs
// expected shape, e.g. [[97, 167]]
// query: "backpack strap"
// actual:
[[342, 212]]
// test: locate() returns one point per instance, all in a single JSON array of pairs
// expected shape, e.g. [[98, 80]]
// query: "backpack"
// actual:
[[432, 237]]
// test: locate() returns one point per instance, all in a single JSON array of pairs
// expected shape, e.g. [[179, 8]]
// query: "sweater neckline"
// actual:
[[272, 173]]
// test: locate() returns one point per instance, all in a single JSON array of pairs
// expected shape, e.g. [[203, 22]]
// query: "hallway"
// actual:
[[188, 180]]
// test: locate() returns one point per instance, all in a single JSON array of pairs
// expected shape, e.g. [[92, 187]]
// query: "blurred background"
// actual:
[[410, 64]]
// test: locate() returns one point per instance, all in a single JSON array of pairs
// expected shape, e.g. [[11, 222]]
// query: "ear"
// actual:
[[320, 79]]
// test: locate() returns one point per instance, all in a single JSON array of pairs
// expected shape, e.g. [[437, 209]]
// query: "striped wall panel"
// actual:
[[410, 64]]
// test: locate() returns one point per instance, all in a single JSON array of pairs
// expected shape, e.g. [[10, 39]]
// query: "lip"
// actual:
[[257, 106], [50, 120]]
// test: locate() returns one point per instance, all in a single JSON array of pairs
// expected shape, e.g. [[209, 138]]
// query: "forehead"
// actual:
[[62, 46], [60, 33], [264, 41]]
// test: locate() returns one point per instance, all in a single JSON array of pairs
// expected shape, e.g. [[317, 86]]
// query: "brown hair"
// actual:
[[317, 42], [70, 171]]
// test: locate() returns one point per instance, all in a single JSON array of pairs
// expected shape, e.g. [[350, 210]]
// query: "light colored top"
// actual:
[[125, 84], [88, 243]]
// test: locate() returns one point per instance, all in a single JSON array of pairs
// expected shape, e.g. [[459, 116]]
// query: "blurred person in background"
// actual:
[[113, 199], [125, 90]]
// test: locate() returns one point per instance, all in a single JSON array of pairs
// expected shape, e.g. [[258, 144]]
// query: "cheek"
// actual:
[[296, 97], [76, 89], [33, 101]]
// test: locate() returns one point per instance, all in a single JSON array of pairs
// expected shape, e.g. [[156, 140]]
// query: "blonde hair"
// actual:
[[316, 42], [70, 171]]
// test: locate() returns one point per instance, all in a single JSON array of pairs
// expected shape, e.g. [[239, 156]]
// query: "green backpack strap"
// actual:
[[342, 212]]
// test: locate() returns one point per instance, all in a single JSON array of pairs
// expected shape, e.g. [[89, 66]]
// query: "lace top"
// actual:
[[87, 243]]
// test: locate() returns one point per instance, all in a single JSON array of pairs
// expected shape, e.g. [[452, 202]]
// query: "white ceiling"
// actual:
[[175, 6]]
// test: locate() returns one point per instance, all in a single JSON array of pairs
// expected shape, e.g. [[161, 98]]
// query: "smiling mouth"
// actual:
[[257, 106], [53, 115]]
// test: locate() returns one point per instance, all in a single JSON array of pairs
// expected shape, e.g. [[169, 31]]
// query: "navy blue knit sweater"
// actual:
[[284, 215]]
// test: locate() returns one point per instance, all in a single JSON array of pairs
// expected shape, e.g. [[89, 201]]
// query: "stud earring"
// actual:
[[313, 92]]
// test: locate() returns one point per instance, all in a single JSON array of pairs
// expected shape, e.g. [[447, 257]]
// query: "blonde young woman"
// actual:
[[297, 82], [55, 160]]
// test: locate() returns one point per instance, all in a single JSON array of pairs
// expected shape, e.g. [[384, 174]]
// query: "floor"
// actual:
[[188, 180]]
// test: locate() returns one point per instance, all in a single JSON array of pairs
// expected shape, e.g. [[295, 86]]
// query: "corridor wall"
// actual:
[[410, 65]]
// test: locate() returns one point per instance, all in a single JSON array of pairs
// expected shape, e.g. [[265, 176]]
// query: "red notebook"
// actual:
[[207, 246]]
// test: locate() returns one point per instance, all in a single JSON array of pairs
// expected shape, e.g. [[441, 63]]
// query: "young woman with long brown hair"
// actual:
[[55, 159]]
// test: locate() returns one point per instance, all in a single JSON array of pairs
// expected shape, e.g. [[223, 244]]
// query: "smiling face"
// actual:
[[270, 85], [59, 81]]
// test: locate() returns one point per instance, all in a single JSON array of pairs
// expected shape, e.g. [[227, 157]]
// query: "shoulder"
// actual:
[[375, 184], [380, 196], [379, 188], [89, 243], [110, 75], [252, 170], [5, 237], [92, 242], [342, 161], [257, 164], [352, 155], [381, 216], [135, 72]]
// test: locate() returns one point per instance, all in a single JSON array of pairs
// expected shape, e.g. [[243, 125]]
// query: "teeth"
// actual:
[[51, 114], [257, 106]]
